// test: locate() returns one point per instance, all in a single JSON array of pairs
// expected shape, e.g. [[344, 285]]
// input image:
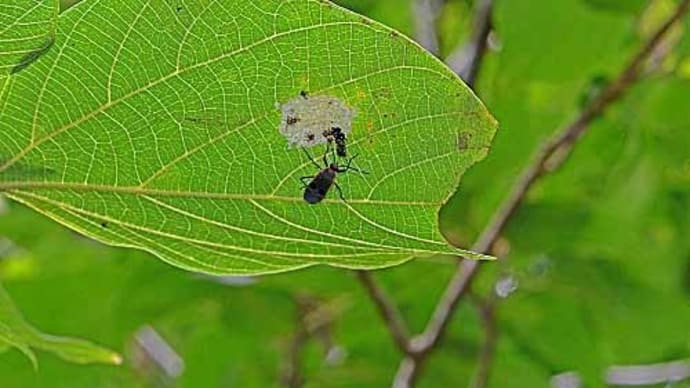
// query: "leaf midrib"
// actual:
[[136, 190], [362, 244]]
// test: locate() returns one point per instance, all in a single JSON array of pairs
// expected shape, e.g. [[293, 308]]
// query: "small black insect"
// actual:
[[292, 120], [464, 139], [317, 188], [337, 136]]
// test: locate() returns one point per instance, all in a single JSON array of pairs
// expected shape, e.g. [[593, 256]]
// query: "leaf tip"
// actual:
[[116, 359], [476, 256], [30, 355]]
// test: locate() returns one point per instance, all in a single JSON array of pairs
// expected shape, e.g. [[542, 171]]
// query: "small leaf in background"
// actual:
[[160, 130], [16, 332]]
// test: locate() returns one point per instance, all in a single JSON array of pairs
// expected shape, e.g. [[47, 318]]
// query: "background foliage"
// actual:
[[600, 249]]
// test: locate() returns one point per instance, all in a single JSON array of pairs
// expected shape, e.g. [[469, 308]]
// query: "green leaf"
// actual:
[[26, 32], [16, 332], [155, 125]]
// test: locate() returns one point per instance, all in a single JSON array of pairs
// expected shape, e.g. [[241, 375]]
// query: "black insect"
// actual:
[[292, 120], [317, 188], [337, 136]]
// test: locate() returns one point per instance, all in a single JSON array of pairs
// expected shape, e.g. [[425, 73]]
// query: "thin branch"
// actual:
[[467, 59], [407, 371], [550, 157], [291, 376], [426, 12], [315, 320], [388, 311], [487, 310]]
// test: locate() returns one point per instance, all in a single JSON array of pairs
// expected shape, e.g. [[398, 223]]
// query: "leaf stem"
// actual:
[[466, 60], [388, 311]]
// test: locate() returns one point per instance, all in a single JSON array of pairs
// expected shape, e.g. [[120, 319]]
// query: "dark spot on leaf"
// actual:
[[303, 94], [383, 93], [104, 225], [292, 120], [33, 56], [464, 141], [394, 34]]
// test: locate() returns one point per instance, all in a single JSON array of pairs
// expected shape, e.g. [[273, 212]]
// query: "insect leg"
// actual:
[[325, 154], [349, 166], [311, 158], [340, 191], [357, 170], [335, 156], [309, 178]]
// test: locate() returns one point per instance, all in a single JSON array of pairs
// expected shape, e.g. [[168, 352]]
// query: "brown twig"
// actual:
[[487, 312], [473, 58], [388, 310], [315, 321], [291, 375], [550, 157], [466, 59], [426, 12]]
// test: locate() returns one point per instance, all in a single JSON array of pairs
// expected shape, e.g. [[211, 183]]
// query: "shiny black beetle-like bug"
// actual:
[[337, 136], [319, 185]]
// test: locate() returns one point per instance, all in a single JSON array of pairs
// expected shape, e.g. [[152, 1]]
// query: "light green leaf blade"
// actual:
[[16, 332], [155, 126], [26, 32]]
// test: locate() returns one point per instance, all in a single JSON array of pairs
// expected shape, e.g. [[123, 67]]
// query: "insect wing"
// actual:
[[317, 189]]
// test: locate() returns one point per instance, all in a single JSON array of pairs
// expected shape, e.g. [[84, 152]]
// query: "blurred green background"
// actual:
[[600, 250]]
